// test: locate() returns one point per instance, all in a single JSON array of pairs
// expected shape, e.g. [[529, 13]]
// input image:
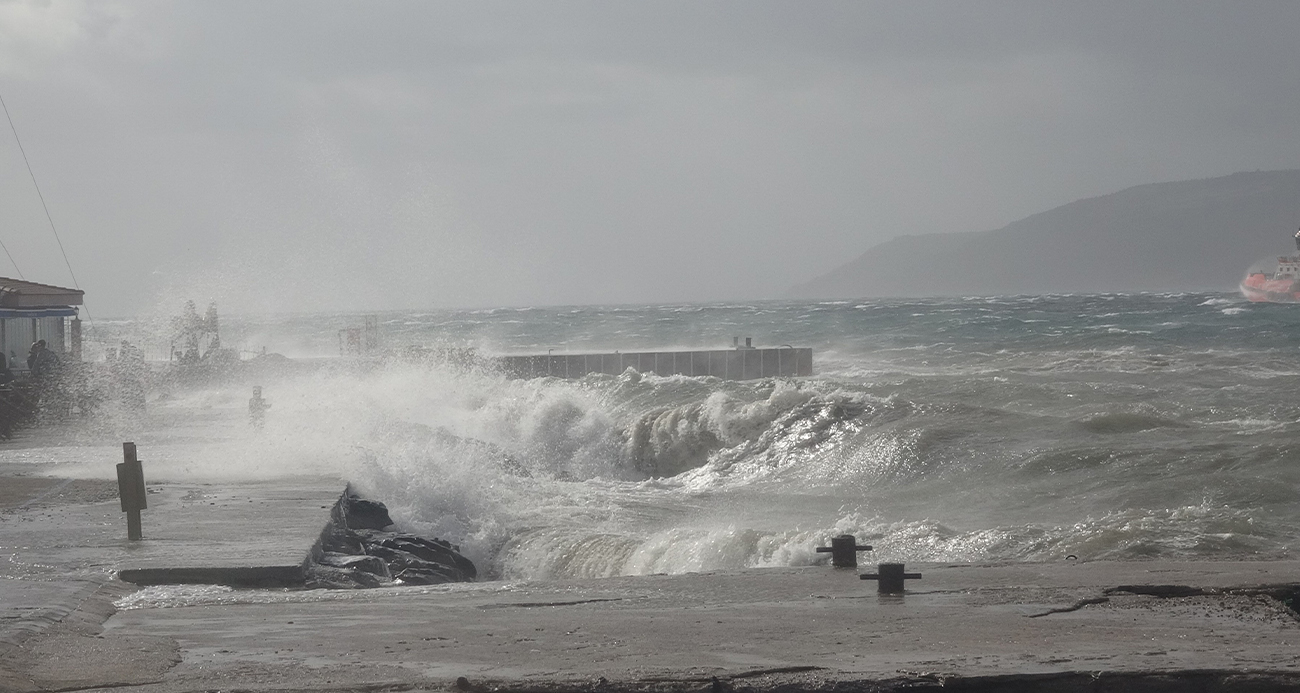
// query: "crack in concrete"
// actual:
[[1073, 607], [526, 605]]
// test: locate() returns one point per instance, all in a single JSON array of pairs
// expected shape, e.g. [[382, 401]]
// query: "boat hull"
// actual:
[[1260, 289]]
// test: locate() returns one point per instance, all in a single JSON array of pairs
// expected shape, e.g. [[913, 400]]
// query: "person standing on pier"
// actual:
[[45, 369], [257, 407]]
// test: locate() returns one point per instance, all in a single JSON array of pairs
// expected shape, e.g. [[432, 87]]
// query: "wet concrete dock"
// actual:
[[230, 534], [68, 623], [66, 548], [1035, 626]]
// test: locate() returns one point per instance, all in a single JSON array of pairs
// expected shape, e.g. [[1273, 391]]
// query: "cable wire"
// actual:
[[44, 206], [39, 194], [11, 260]]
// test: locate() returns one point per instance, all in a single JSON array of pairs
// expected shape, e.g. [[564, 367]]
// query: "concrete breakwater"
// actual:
[[201, 534], [744, 363]]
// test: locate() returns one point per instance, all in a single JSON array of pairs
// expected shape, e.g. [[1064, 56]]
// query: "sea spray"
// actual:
[[999, 428]]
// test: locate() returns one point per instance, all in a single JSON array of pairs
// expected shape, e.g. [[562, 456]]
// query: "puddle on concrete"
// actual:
[[174, 596]]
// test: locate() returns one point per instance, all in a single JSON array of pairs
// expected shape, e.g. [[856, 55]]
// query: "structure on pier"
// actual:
[[30, 311], [739, 363]]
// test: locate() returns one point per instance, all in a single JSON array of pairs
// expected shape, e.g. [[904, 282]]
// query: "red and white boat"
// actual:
[[1277, 286]]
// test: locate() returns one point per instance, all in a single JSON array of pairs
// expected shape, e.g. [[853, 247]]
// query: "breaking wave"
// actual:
[[1010, 428]]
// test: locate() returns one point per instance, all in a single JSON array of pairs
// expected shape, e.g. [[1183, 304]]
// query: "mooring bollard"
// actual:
[[844, 551], [130, 487], [890, 577]]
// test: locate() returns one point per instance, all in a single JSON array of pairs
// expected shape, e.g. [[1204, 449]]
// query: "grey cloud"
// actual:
[[349, 154]]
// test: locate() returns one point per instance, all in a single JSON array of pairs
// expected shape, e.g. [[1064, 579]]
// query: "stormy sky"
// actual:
[[305, 156]]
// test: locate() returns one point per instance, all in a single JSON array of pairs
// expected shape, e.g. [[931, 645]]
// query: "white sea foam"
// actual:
[[989, 428]]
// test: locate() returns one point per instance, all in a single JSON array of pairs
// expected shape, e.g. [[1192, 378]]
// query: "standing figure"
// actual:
[[43, 362], [46, 373], [131, 372], [9, 409], [257, 408]]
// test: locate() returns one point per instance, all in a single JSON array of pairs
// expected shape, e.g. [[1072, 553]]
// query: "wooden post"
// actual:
[[130, 487]]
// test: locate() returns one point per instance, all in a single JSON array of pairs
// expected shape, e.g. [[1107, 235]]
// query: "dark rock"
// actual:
[[397, 560], [356, 551], [434, 551], [328, 577], [400, 561], [366, 564], [373, 536], [338, 539], [366, 514], [426, 576]]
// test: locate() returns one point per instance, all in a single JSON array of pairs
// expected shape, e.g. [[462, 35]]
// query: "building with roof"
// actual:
[[30, 311]]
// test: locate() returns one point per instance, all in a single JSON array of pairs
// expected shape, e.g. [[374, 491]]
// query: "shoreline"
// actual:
[[1148, 625]]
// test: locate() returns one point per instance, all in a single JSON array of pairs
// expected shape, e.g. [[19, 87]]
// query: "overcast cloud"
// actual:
[[363, 155]]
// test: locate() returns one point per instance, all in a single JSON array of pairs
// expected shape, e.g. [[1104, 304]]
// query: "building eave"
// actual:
[[18, 293]]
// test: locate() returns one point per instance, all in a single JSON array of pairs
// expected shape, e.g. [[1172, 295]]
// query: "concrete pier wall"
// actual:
[[728, 364]]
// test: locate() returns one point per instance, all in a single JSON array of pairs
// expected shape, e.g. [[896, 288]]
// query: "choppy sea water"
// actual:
[[964, 429]]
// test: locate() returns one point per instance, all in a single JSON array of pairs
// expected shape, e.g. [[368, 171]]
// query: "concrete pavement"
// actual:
[[68, 624], [1031, 626], [64, 546]]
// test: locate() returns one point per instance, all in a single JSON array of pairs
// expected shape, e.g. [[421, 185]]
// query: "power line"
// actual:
[[44, 206], [39, 194], [11, 260]]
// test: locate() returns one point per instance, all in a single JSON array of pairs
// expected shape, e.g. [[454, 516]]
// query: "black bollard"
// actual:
[[130, 487], [844, 551], [890, 577]]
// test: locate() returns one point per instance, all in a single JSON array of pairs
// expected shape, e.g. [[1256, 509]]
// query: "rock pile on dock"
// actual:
[[358, 548]]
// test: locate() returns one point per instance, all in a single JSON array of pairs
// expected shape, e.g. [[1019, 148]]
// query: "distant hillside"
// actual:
[[1188, 235]]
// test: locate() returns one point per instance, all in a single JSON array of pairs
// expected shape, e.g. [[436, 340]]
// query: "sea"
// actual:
[[1016, 428]]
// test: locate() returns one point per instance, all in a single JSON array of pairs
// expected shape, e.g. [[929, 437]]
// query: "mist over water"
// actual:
[[1018, 428]]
